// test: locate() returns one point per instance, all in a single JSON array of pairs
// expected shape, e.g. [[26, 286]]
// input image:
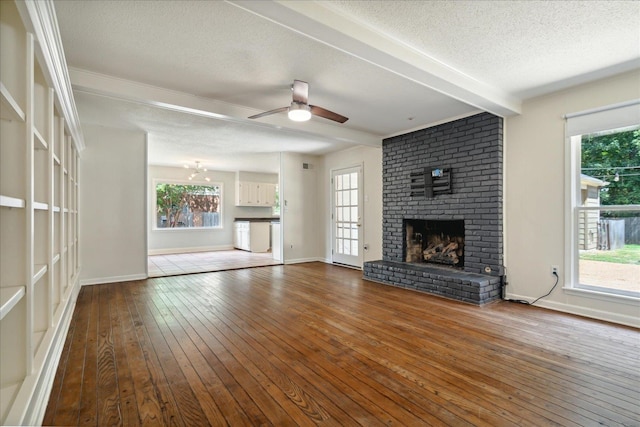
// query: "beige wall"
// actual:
[[299, 208], [112, 205], [371, 160], [535, 176]]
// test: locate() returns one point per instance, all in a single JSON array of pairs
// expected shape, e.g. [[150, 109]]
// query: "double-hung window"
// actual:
[[603, 200]]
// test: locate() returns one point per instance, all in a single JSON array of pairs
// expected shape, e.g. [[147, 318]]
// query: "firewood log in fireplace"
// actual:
[[446, 254]]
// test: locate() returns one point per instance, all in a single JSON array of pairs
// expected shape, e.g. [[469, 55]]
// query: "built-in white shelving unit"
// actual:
[[39, 157]]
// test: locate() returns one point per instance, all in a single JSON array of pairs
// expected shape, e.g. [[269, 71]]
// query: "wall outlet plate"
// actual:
[[554, 270]]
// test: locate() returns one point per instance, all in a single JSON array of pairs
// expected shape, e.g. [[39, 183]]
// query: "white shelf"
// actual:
[[41, 129], [8, 394], [40, 270], [38, 142], [11, 202], [10, 108], [9, 297]]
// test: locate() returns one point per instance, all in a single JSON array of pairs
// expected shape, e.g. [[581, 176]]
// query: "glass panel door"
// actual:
[[347, 216]]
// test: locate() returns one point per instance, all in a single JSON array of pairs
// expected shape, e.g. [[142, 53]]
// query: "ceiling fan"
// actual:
[[300, 110]]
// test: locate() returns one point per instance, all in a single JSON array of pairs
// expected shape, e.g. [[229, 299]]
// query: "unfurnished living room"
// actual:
[[331, 212]]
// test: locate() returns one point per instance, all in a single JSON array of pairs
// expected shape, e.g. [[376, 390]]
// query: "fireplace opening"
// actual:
[[434, 241]]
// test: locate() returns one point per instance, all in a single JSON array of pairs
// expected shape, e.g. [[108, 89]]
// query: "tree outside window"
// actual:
[[188, 206]]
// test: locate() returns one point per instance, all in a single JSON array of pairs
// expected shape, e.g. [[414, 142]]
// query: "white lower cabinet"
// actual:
[[251, 236]]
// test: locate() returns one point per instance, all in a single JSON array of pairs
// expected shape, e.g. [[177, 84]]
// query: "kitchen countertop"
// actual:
[[258, 219]]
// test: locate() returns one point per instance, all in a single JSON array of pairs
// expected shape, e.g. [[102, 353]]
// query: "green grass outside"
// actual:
[[629, 254]]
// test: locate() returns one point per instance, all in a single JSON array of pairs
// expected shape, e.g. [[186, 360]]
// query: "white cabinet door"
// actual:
[[268, 194], [245, 194], [255, 194], [241, 238], [259, 237]]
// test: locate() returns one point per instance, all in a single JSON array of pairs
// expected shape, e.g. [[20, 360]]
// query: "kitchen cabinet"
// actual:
[[255, 194], [275, 241], [251, 236]]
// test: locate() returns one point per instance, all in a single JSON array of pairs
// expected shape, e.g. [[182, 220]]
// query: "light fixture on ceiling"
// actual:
[[299, 112], [197, 171]]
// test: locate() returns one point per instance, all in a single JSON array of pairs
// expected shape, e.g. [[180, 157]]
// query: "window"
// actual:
[[188, 206], [275, 210], [605, 200]]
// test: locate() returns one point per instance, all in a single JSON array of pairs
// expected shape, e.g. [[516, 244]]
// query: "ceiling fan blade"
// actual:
[[300, 92], [321, 112], [268, 113]]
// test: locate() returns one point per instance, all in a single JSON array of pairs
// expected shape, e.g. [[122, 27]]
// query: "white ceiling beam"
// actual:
[[319, 22], [100, 84]]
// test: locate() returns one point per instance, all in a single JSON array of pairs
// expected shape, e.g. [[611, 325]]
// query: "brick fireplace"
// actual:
[[442, 232]]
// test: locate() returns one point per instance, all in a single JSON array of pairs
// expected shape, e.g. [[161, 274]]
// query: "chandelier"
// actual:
[[197, 171]]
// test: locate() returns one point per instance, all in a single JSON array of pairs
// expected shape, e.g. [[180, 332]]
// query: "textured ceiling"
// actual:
[[523, 47], [390, 66]]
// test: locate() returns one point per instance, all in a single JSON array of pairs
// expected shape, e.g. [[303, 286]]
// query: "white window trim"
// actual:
[[157, 181], [577, 124]]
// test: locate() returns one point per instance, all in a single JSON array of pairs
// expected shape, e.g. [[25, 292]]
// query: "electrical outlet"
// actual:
[[554, 270]]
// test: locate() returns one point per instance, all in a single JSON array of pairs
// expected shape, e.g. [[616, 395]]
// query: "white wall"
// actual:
[[193, 240], [300, 208], [371, 160], [112, 205], [535, 198]]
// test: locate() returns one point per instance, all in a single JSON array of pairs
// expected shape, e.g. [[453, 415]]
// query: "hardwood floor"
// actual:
[[314, 344]]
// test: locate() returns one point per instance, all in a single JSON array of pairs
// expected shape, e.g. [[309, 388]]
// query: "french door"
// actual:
[[346, 216]]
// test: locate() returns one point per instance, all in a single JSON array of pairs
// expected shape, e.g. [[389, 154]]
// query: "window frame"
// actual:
[[157, 181], [616, 116]]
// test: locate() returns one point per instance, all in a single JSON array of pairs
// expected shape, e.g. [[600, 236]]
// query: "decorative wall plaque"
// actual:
[[430, 182]]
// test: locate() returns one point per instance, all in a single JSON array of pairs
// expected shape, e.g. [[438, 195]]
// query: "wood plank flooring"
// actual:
[[314, 344]]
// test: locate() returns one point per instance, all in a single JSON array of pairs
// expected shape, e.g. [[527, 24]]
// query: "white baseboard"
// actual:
[[190, 250], [112, 279], [301, 260], [583, 311]]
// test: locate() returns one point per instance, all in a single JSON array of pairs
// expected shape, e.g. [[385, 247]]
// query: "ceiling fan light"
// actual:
[[299, 112]]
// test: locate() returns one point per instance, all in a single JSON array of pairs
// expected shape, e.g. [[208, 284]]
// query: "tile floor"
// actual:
[[201, 262]]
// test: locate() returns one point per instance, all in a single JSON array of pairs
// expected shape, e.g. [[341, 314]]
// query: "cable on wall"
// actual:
[[521, 301]]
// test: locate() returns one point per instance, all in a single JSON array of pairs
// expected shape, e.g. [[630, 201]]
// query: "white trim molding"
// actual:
[[112, 279]]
